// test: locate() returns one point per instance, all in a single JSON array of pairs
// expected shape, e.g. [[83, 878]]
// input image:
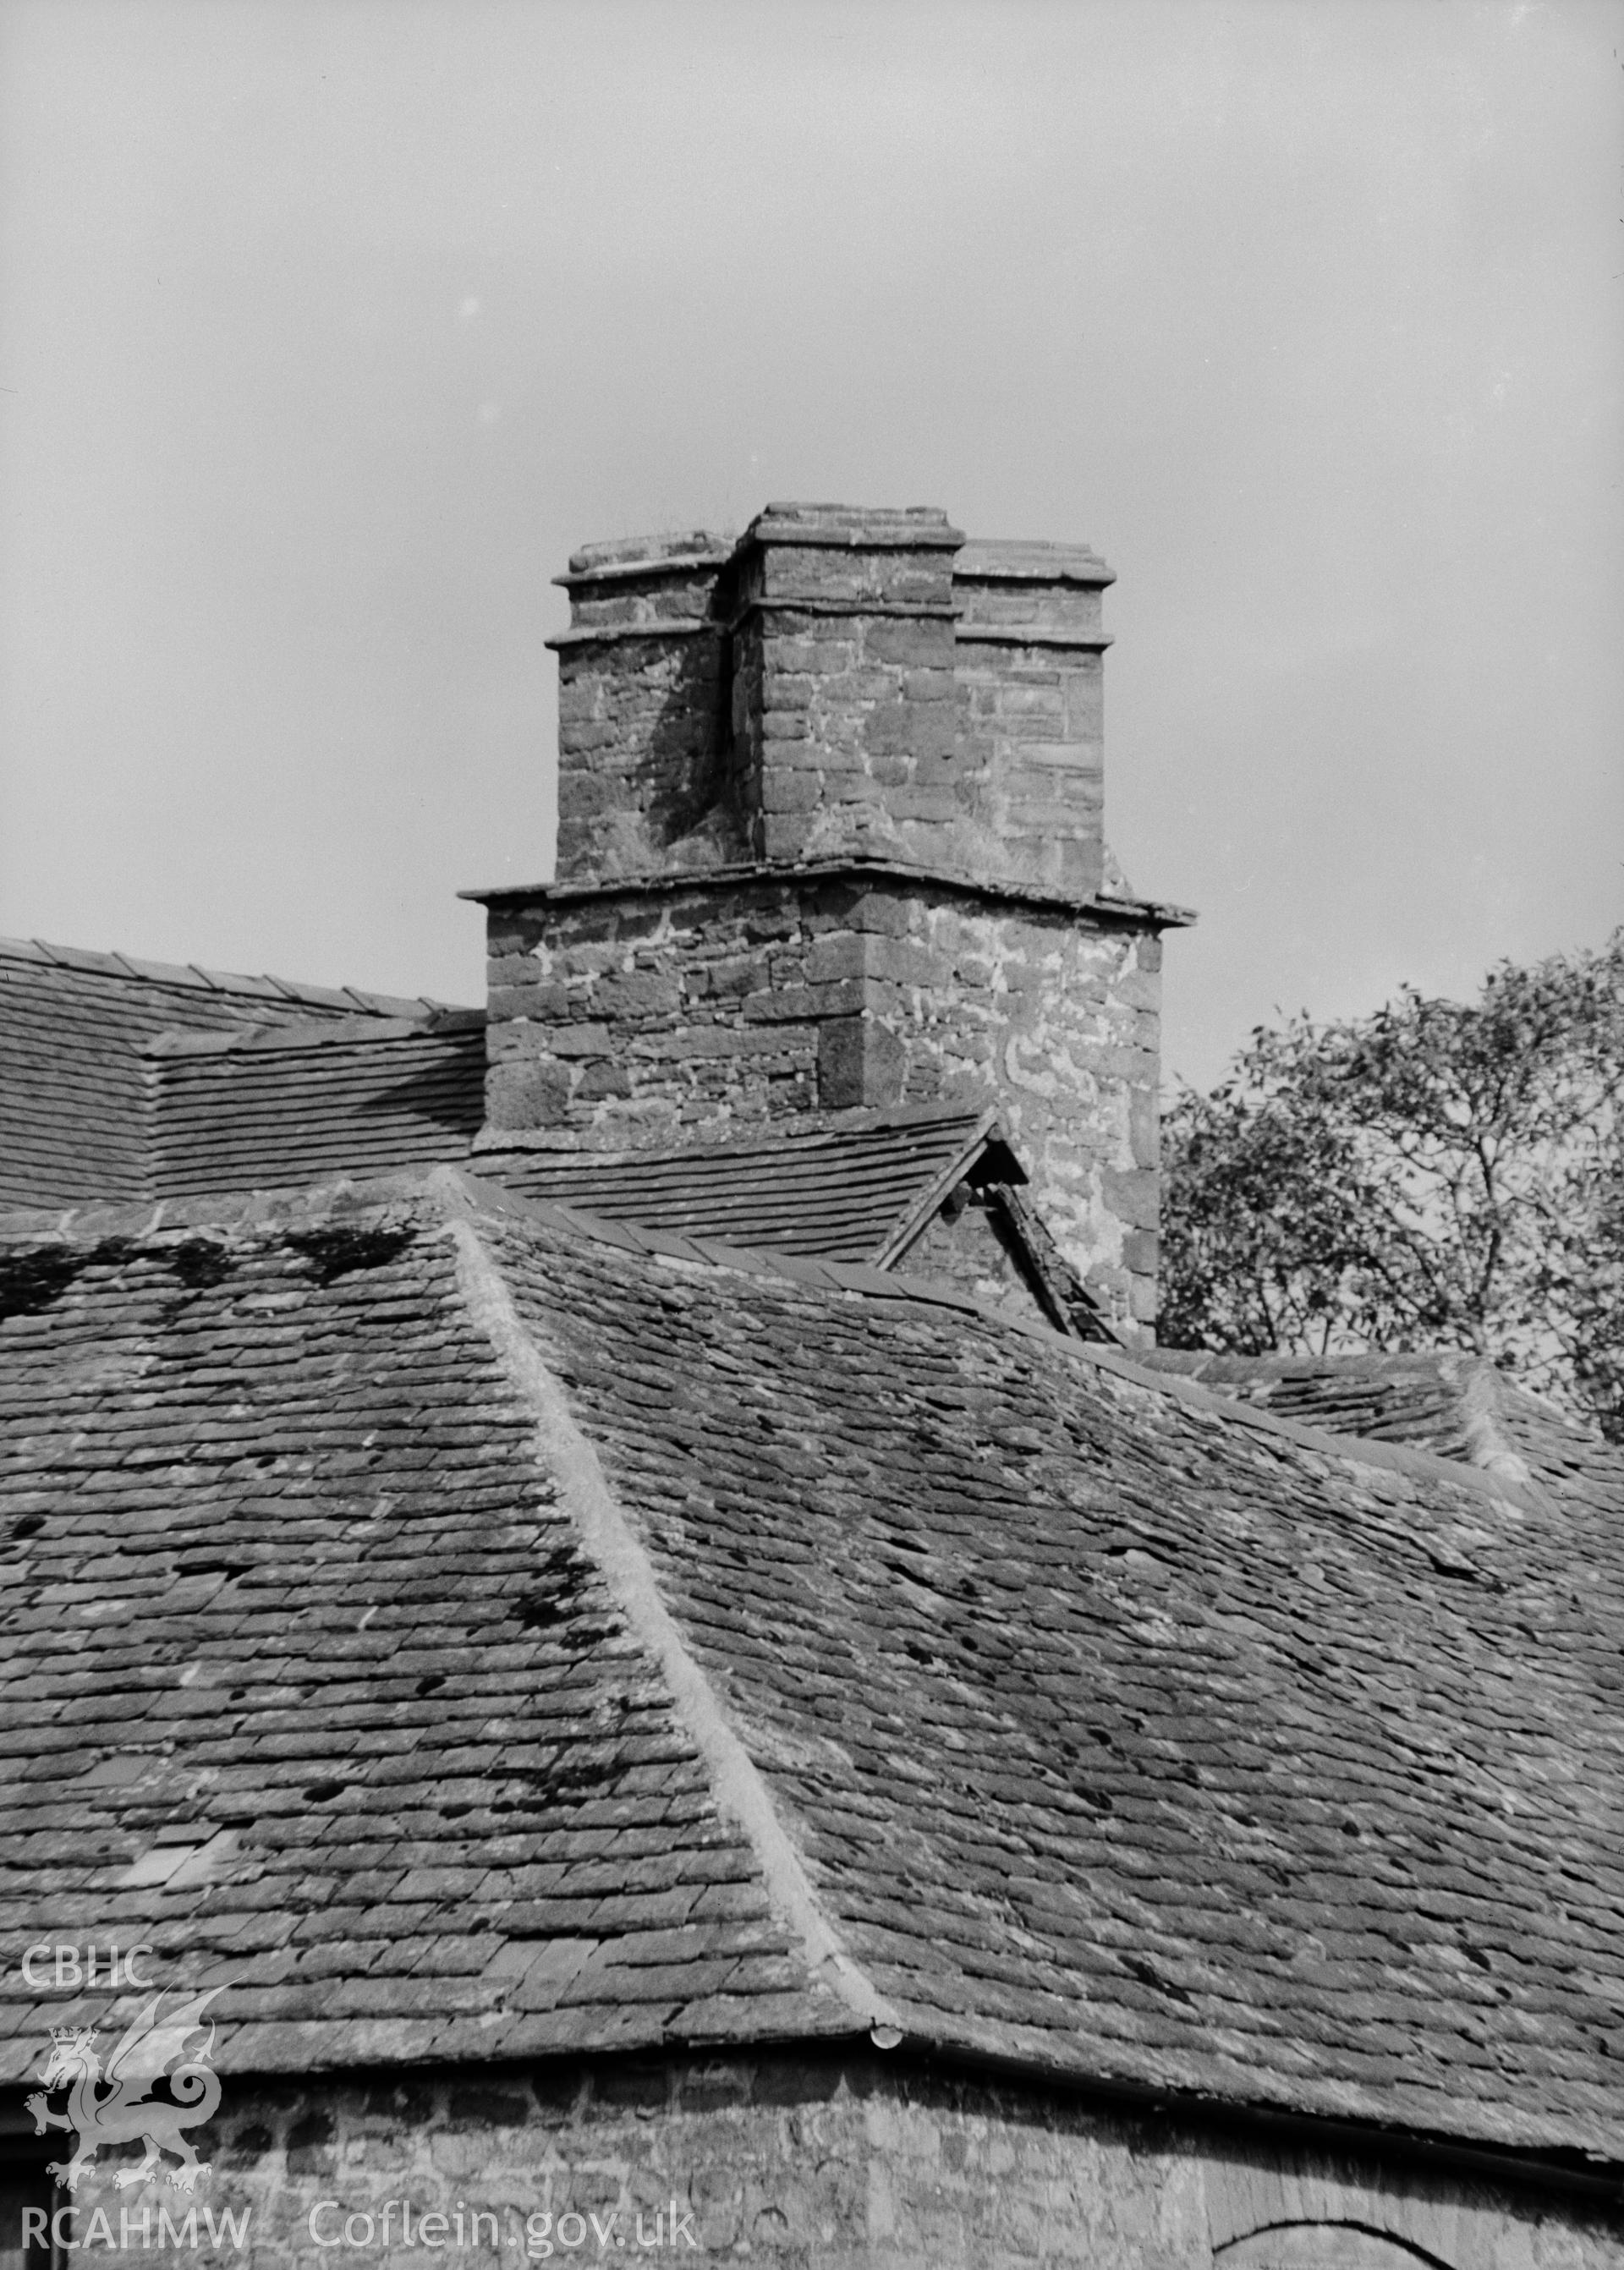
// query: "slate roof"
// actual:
[[538, 1633], [1447, 1400], [256, 1109], [859, 1192], [122, 1080], [81, 1091]]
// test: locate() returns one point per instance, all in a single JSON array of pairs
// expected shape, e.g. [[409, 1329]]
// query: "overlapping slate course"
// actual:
[[1448, 1401], [1409, 1398], [849, 1193], [1120, 1731], [290, 1600], [259, 1110], [1126, 1734], [74, 1085]]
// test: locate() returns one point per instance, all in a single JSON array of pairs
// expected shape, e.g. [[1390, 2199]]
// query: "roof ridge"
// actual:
[[1362, 1450], [461, 1192], [193, 977], [862, 1277], [1478, 1383], [1480, 1387], [324, 1033], [737, 1785]]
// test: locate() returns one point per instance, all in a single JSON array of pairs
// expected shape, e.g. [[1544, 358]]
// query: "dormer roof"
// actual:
[[123, 1078]]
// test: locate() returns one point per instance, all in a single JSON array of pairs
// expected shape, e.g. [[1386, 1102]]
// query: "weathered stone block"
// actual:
[[859, 1062], [1132, 1194], [909, 642], [732, 979], [787, 790], [638, 993], [1144, 1125], [1139, 1252], [783, 835], [882, 908], [514, 1041], [597, 1080], [519, 1095], [905, 961], [837, 954], [808, 1004], [583, 1040], [503, 968], [509, 1001]]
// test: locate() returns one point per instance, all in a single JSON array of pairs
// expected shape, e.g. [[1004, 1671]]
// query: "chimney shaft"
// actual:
[[838, 683], [830, 840], [844, 682], [1030, 647], [642, 700]]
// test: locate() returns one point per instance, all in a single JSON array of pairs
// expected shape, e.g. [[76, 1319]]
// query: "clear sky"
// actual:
[[328, 328]]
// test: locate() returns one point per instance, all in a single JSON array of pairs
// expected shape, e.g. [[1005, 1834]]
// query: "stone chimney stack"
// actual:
[[844, 682], [838, 682], [831, 841], [1029, 649], [642, 702]]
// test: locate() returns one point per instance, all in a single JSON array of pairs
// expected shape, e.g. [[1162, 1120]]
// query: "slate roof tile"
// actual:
[[1117, 1730], [80, 1102], [121, 1079], [851, 1193], [1450, 1401]]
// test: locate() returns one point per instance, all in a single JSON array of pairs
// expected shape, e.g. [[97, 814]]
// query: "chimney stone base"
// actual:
[[653, 1014]]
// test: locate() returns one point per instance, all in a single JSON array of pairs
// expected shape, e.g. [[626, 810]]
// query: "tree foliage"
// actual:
[[1441, 1174]]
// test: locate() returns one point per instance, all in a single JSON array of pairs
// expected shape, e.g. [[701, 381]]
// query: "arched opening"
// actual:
[[1323, 2246]]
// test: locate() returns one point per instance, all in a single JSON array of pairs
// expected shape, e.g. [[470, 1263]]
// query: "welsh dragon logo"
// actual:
[[149, 2047]]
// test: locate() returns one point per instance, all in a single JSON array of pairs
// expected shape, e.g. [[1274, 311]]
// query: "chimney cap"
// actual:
[[911, 527], [680, 552], [993, 560]]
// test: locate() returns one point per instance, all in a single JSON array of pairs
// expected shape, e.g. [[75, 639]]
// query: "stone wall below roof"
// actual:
[[649, 1017], [834, 2162]]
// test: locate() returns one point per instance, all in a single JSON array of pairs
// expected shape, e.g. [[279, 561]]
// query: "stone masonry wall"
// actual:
[[843, 712], [648, 1017], [642, 698], [824, 2162], [1028, 669], [839, 680]]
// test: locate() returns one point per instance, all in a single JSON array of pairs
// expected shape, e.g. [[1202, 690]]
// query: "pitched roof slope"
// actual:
[[1041, 1707], [848, 1193], [1388, 1398], [74, 1118], [1447, 1400], [311, 1678], [261, 1109], [1122, 1733]]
